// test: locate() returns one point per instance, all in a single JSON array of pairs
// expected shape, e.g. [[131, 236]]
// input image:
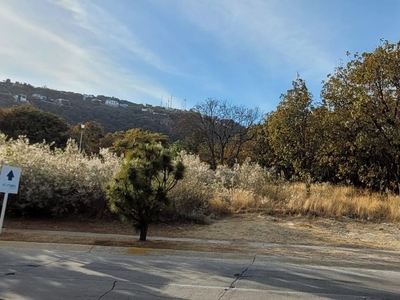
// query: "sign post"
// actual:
[[9, 182]]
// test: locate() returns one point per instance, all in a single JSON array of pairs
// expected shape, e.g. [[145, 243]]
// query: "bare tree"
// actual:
[[221, 128]]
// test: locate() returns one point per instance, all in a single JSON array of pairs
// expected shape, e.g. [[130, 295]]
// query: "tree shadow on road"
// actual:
[[44, 274]]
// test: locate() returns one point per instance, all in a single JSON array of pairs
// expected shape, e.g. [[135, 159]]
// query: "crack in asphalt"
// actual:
[[238, 276], [33, 266], [30, 267], [109, 291]]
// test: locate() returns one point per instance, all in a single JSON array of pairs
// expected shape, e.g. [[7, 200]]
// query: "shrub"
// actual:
[[191, 196], [139, 192], [205, 193], [57, 182]]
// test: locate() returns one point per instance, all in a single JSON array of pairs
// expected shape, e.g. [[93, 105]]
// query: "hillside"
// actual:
[[113, 113]]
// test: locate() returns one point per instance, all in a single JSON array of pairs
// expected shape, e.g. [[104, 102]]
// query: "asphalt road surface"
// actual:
[[44, 272]]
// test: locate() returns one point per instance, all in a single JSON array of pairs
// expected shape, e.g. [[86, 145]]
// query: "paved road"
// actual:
[[44, 272]]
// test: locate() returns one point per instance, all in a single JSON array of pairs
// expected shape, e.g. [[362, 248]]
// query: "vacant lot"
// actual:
[[252, 227]]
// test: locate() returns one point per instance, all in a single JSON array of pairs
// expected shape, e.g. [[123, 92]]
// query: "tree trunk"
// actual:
[[143, 232], [308, 189], [397, 176], [308, 185]]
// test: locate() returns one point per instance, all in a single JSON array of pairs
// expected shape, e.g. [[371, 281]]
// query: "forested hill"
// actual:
[[114, 114]]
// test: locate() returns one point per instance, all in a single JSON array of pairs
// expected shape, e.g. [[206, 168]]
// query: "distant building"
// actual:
[[21, 98], [149, 110], [39, 97], [111, 102], [124, 105], [96, 100], [62, 102], [87, 97]]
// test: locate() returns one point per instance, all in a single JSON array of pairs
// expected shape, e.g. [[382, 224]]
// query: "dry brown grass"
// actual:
[[205, 193], [325, 200], [237, 200], [338, 201]]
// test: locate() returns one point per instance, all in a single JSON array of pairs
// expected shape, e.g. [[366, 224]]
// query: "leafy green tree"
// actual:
[[91, 134], [291, 131], [109, 139], [35, 124], [364, 97], [260, 149], [139, 192], [126, 142]]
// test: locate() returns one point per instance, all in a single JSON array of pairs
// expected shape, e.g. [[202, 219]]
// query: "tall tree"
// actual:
[[220, 129], [364, 95], [139, 192], [35, 124], [89, 134], [260, 149], [126, 142], [291, 131]]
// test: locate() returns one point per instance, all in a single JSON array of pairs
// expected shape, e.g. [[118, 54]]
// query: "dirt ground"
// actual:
[[249, 227]]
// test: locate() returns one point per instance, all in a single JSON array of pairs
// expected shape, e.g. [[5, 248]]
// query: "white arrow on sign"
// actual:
[[9, 182], [9, 179]]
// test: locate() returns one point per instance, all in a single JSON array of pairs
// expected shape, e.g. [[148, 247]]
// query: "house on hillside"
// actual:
[[87, 97], [111, 102], [62, 102], [39, 97], [123, 105], [21, 98], [149, 110]]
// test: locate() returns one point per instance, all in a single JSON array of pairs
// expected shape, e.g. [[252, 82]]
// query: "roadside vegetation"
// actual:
[[337, 158], [60, 182]]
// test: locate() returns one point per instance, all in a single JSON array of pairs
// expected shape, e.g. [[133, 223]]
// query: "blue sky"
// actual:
[[245, 51]]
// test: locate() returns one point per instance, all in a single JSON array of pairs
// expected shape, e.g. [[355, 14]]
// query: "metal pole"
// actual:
[[3, 211], [80, 141]]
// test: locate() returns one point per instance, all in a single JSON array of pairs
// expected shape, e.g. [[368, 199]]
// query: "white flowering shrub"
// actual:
[[191, 195], [206, 193], [56, 182]]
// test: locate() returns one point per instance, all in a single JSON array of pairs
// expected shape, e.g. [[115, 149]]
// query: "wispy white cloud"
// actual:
[[106, 27], [237, 50], [42, 52], [277, 37], [268, 30]]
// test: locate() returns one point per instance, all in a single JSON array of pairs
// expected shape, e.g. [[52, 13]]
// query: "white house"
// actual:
[[40, 97], [149, 110], [111, 102], [87, 97], [62, 102], [21, 98]]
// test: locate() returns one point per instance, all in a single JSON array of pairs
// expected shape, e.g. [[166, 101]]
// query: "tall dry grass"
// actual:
[[204, 193], [338, 201]]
